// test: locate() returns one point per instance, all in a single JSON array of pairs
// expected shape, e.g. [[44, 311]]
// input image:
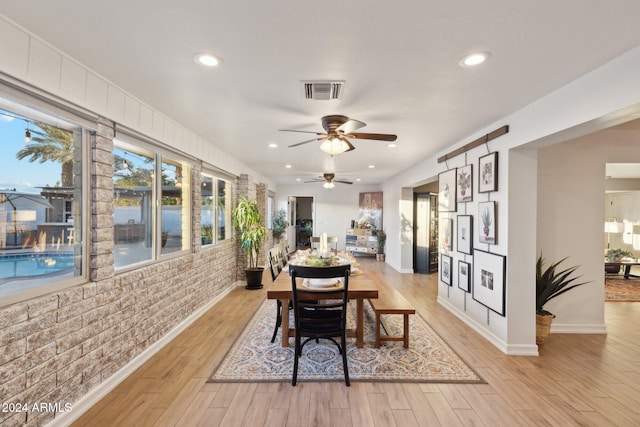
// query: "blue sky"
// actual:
[[22, 174]]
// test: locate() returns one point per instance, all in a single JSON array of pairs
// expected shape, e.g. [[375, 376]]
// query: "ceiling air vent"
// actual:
[[323, 90]]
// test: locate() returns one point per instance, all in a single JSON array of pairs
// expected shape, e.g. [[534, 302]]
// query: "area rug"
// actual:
[[253, 358], [622, 290]]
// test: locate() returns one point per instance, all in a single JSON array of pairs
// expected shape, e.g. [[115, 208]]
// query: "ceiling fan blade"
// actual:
[[351, 147], [300, 131], [376, 136], [314, 180], [305, 142], [350, 125], [343, 181]]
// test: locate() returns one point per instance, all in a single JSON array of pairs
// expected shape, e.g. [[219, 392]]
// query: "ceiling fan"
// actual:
[[329, 180], [338, 130]]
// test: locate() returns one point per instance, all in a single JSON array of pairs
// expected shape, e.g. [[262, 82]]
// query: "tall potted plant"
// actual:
[[252, 234], [550, 283]]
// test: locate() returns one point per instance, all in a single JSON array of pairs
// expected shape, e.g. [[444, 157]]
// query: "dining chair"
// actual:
[[325, 320], [275, 270]]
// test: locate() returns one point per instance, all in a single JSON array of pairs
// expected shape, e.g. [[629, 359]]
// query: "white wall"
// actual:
[[334, 209]]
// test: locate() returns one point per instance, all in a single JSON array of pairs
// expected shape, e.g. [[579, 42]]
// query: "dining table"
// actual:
[[360, 288]]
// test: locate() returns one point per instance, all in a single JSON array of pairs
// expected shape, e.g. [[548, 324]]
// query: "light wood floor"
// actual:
[[582, 380]]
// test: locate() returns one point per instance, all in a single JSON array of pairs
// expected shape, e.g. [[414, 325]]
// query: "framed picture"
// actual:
[[489, 271], [488, 223], [445, 269], [446, 234], [488, 173], [464, 276], [447, 191], [370, 209], [465, 234], [464, 183]]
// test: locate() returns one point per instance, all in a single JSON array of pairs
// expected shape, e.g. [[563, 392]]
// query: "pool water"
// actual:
[[34, 264]]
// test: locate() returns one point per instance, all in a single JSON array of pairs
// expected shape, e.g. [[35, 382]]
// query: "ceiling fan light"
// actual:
[[334, 146], [328, 185]]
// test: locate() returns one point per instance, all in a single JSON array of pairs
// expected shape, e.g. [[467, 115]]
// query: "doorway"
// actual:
[[301, 216]]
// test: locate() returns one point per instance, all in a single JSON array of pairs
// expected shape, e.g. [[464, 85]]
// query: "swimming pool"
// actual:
[[34, 264]]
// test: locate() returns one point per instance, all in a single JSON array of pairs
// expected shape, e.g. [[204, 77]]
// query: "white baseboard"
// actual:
[[95, 395], [508, 349], [569, 328]]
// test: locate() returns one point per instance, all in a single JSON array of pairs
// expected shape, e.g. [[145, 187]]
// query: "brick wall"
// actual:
[[56, 348]]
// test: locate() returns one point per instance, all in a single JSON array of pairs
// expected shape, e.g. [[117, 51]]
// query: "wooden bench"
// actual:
[[390, 301]]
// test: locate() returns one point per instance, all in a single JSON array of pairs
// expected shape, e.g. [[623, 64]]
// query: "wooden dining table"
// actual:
[[361, 287]]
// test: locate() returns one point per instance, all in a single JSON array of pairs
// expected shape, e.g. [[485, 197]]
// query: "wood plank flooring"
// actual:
[[578, 380]]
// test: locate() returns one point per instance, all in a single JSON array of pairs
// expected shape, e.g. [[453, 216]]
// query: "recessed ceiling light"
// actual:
[[358, 179], [392, 145], [287, 166], [207, 60], [297, 179], [273, 145], [474, 59], [372, 166]]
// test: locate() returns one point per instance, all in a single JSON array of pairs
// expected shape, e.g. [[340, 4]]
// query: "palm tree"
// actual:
[[51, 144]]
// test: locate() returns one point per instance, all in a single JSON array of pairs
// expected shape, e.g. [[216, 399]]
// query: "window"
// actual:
[[176, 215], [143, 232], [224, 209], [41, 199], [133, 213], [215, 208], [207, 217]]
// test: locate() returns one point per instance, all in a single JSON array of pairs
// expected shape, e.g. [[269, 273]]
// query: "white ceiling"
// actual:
[[399, 60]]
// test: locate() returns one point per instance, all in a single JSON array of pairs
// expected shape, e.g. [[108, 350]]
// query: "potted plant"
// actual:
[[382, 240], [252, 234], [550, 283], [279, 223]]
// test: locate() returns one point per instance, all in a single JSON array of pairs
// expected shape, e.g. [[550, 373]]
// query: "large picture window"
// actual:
[[41, 192]]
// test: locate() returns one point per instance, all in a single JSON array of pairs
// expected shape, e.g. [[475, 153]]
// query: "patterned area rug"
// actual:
[[253, 358], [625, 290]]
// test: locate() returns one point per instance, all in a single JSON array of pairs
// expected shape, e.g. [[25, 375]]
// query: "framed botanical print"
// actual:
[[464, 234], [489, 271], [464, 276], [445, 269], [446, 234], [464, 181], [447, 191], [488, 223], [488, 173]]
